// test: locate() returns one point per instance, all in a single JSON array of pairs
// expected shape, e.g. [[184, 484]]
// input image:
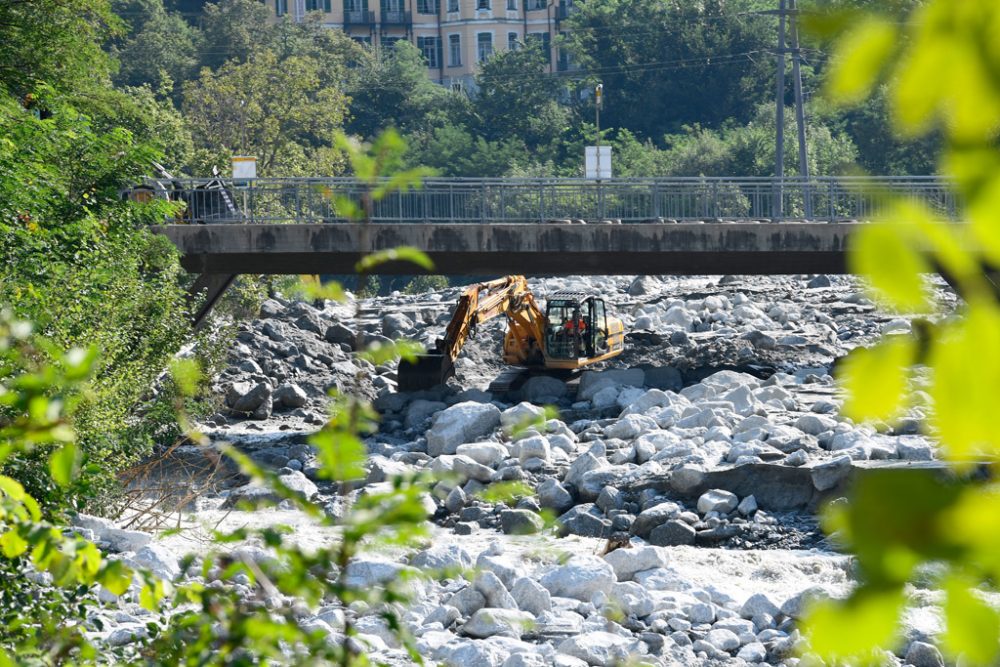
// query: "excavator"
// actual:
[[574, 331]]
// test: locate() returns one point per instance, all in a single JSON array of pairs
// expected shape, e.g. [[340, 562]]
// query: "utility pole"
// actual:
[[800, 119], [779, 118]]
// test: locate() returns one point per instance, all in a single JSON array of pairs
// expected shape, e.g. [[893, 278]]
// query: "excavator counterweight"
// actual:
[[575, 331]]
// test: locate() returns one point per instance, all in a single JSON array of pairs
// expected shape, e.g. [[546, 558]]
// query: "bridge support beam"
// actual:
[[206, 291]]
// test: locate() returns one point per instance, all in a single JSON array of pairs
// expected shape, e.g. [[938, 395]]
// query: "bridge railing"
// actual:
[[440, 200]]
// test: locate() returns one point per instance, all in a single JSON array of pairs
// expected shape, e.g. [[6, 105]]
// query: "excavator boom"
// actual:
[[479, 303], [575, 332]]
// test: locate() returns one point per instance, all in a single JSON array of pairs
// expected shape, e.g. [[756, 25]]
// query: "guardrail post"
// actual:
[[830, 199], [482, 205]]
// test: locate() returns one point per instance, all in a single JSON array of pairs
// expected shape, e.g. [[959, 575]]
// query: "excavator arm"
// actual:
[[480, 303]]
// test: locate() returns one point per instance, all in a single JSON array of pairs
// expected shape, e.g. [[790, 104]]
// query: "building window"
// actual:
[[543, 40], [453, 6], [532, 5], [431, 48], [456, 86], [511, 41], [482, 4], [511, 5], [427, 6], [318, 5], [390, 42], [484, 46], [280, 7], [454, 50], [364, 40]]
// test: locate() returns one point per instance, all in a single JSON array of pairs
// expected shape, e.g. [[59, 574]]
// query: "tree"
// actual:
[[278, 110], [665, 65], [233, 30], [390, 88], [55, 45], [516, 97], [161, 47]]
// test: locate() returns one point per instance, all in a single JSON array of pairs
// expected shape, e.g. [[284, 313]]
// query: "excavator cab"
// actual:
[[577, 327]]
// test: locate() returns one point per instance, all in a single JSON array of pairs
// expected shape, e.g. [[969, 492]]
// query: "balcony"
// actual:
[[359, 18], [397, 18]]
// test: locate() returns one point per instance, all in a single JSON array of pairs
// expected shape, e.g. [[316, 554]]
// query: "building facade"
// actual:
[[454, 35]]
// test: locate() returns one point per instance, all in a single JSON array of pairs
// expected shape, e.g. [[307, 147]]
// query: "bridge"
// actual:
[[532, 226]]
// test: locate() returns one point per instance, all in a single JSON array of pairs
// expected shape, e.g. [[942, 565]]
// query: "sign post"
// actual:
[[244, 173]]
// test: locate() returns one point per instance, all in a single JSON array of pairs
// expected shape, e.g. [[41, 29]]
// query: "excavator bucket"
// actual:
[[428, 370]]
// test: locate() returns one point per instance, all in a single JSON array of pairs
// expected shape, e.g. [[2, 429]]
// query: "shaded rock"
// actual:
[[830, 473], [242, 397], [584, 520], [717, 500], [553, 495], [290, 395], [542, 388], [520, 522], [673, 533]]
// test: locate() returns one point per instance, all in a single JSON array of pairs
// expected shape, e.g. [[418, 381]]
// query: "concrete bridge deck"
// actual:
[[526, 248]]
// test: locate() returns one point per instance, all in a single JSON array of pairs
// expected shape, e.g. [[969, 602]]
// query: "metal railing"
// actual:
[[461, 200]]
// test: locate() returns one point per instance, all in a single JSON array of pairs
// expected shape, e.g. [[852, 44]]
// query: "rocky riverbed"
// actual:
[[683, 476]]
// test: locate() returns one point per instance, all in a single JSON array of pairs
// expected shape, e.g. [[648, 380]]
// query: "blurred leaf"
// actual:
[[13, 544], [115, 577], [876, 379], [505, 492], [151, 594], [341, 455], [347, 208], [187, 375], [965, 359], [892, 521], [12, 488], [400, 254], [63, 464], [378, 354], [972, 627], [858, 59], [885, 254], [984, 214], [842, 631]]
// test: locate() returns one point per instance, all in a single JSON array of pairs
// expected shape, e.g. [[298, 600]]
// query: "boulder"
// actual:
[[521, 416], [486, 453], [543, 388], [553, 495], [459, 424], [159, 560], [673, 533], [666, 378], [602, 648], [654, 516], [717, 500], [580, 578], [341, 335], [626, 562], [396, 325], [531, 596], [759, 604], [520, 522], [420, 411], [243, 397], [829, 474], [487, 622], [593, 381], [104, 530], [584, 520], [922, 654], [439, 557], [290, 395]]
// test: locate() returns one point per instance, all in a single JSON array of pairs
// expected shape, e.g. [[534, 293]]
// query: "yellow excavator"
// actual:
[[574, 331]]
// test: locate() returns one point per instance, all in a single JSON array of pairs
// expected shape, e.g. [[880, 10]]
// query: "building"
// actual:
[[454, 35]]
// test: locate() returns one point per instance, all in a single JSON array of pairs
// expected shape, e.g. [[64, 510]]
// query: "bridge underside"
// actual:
[[529, 249]]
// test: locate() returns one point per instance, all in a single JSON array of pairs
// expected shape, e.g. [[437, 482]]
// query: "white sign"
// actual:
[[244, 166], [597, 166]]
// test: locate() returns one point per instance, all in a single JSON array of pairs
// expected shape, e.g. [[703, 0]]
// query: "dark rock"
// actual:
[[520, 522], [671, 534], [586, 521], [290, 395], [341, 335], [250, 399], [819, 281]]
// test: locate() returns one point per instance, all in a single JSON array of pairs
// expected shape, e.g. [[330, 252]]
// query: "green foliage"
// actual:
[[426, 283], [277, 109], [665, 65], [937, 82]]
